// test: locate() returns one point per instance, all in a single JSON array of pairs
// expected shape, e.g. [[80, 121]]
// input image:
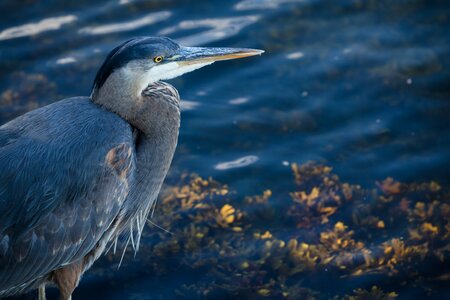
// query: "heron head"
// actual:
[[150, 59]]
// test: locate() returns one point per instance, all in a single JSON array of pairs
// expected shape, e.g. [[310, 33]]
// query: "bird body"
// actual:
[[78, 174], [58, 161], [74, 215]]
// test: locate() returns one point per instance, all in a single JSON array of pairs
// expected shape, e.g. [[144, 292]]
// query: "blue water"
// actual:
[[361, 86]]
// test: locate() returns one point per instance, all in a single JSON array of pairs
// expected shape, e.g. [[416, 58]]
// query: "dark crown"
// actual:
[[133, 49]]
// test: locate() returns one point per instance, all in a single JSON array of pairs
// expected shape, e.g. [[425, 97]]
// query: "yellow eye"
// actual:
[[158, 59]]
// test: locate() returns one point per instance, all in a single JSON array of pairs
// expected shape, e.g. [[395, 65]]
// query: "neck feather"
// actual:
[[155, 113], [153, 109]]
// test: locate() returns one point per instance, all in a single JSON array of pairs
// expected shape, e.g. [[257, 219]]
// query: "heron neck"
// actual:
[[154, 112], [156, 115]]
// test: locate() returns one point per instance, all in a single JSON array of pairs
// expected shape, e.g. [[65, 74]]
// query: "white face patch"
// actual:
[[168, 71]]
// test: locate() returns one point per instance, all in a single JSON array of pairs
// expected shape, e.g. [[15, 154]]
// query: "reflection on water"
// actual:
[[238, 163], [219, 28], [128, 25], [239, 100], [360, 86], [36, 28], [66, 60], [188, 105], [263, 4], [295, 55]]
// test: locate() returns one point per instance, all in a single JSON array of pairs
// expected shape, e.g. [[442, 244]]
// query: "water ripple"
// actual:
[[262, 4], [295, 55], [127, 26], [220, 28], [65, 60], [36, 28], [240, 100], [238, 163], [188, 105]]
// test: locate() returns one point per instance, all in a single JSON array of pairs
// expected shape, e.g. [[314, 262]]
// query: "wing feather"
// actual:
[[65, 170]]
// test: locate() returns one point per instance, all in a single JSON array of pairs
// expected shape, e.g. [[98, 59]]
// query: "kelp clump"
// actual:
[[324, 240]]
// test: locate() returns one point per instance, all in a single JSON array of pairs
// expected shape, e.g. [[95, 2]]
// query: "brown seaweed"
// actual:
[[307, 240]]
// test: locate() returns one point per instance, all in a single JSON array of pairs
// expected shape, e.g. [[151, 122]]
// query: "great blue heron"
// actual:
[[77, 174]]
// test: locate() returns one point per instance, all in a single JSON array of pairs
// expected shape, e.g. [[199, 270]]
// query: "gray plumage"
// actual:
[[78, 174]]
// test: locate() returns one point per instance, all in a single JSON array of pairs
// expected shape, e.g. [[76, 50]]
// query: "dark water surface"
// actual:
[[361, 86]]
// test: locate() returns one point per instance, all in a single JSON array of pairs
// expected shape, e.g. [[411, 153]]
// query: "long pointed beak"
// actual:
[[196, 55]]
